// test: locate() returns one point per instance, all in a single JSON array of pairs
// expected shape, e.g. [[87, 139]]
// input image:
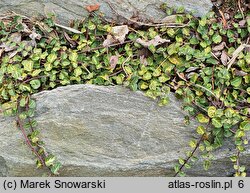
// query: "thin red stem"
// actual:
[[194, 150], [20, 125]]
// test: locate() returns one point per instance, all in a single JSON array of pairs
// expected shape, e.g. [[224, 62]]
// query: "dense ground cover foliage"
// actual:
[[204, 61]]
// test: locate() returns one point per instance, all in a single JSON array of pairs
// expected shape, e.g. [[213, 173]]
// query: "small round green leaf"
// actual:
[[28, 65], [216, 38], [35, 84], [200, 130]]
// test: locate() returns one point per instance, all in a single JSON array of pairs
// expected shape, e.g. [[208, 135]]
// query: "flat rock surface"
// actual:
[[107, 131], [67, 10]]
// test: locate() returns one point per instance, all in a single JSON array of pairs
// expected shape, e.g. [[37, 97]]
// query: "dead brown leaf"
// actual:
[[109, 40], [224, 58], [242, 23], [117, 34], [120, 32], [26, 28], [91, 8], [219, 47], [155, 42], [192, 68], [181, 76], [247, 49], [71, 42], [217, 54], [223, 19], [113, 61], [239, 73], [1, 51], [144, 52], [143, 60], [34, 35], [15, 37], [7, 48], [31, 43]]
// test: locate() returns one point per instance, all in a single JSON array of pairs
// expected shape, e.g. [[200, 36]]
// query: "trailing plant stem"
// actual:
[[20, 125], [191, 155]]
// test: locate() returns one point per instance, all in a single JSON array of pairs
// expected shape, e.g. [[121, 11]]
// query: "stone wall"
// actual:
[[107, 131], [66, 10]]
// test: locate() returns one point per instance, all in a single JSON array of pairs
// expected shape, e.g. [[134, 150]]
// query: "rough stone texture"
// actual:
[[106, 131], [66, 10]]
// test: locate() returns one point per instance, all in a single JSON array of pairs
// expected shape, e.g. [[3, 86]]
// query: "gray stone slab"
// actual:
[[67, 10], [107, 131]]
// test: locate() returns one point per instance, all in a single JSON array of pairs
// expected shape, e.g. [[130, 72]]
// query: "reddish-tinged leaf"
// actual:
[[239, 73], [91, 8], [242, 23], [113, 61], [217, 54], [110, 40]]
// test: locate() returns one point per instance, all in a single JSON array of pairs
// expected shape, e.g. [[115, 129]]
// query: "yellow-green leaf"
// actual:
[[211, 111], [192, 143], [48, 66], [51, 58], [36, 72], [28, 65], [202, 119], [73, 57], [78, 71], [49, 160], [175, 60], [200, 130]]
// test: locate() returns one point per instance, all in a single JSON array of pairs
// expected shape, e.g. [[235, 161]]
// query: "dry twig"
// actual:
[[236, 54], [240, 8], [224, 21]]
